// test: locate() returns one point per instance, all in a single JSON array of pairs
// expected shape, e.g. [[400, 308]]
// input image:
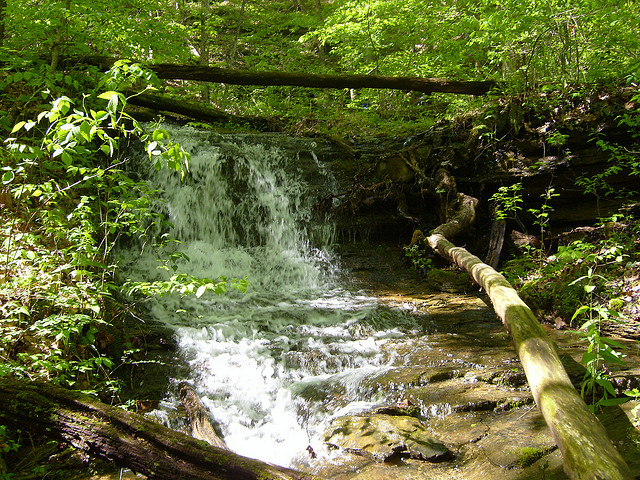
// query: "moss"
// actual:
[[616, 304], [527, 456]]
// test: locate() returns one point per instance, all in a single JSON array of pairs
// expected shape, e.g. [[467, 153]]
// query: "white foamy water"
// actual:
[[272, 364]]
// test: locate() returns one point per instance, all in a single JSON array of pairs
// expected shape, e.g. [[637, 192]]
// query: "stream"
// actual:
[[328, 332]]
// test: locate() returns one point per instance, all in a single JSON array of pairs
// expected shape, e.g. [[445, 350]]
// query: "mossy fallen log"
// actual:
[[587, 452], [212, 74], [125, 438], [204, 113]]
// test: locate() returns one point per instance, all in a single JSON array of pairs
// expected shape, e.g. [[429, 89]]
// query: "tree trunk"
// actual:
[[236, 38], [587, 452], [498, 230], [204, 46], [197, 111], [3, 6], [241, 77], [128, 439], [59, 36]]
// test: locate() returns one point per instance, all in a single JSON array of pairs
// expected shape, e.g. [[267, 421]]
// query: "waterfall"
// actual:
[[270, 364]]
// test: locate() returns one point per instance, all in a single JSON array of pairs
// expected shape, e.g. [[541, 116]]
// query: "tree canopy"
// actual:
[[526, 45]]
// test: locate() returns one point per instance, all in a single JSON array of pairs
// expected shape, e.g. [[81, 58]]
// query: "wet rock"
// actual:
[[523, 439], [446, 280], [384, 437], [395, 167], [405, 408], [458, 395]]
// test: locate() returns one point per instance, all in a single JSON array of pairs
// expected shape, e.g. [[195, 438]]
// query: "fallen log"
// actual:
[[203, 73], [199, 112], [587, 452], [199, 421], [128, 439]]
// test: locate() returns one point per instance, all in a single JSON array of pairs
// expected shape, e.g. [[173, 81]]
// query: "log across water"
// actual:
[[587, 452]]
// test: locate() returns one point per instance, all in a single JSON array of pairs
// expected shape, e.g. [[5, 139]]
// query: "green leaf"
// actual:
[[160, 134], [611, 356], [201, 290], [108, 95], [85, 131], [606, 384], [66, 158], [610, 402], [8, 177], [580, 311], [613, 343], [18, 126]]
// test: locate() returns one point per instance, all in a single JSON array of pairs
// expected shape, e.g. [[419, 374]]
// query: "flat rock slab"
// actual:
[[383, 437]]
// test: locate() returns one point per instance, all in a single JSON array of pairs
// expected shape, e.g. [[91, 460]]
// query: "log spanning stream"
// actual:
[[305, 345]]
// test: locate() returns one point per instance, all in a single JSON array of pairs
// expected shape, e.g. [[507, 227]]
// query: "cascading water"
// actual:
[[273, 363]]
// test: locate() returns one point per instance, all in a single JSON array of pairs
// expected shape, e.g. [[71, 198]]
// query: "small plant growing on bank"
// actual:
[[601, 351], [635, 413], [419, 261], [542, 214], [507, 202]]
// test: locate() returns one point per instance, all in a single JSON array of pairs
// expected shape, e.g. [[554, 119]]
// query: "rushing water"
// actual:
[[274, 363]]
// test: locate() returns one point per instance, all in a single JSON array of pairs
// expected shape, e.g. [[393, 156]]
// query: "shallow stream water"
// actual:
[[322, 331]]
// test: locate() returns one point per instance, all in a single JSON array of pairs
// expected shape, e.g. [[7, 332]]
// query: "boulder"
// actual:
[[384, 437]]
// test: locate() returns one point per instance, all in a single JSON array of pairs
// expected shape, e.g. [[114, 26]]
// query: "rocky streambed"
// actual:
[[458, 403], [452, 402]]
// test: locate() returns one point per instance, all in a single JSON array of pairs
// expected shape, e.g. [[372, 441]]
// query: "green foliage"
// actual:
[[507, 202], [185, 284], [600, 350], [635, 413], [542, 214], [69, 200], [127, 29], [549, 283], [567, 284], [623, 159], [420, 262], [524, 45], [526, 42]]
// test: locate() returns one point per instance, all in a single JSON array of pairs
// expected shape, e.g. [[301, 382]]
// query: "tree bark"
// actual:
[[3, 6], [198, 111], [498, 230], [59, 36], [128, 439], [199, 420], [242, 77], [587, 452], [204, 45]]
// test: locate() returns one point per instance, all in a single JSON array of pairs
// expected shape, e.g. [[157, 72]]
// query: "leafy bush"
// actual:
[[68, 201]]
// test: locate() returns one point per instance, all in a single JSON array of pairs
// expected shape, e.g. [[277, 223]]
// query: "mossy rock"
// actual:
[[384, 437], [450, 281]]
